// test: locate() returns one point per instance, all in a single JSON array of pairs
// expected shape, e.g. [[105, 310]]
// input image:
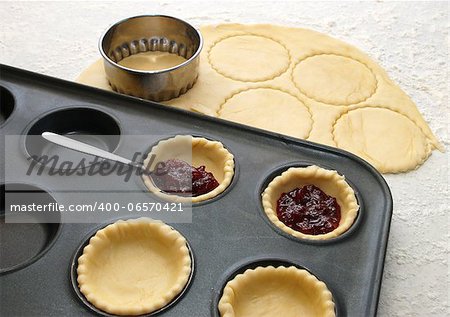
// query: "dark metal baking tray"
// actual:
[[227, 234]]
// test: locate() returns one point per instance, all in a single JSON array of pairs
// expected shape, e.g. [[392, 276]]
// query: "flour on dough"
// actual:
[[152, 61]]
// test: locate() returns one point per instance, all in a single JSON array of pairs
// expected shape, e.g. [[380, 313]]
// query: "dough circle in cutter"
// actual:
[[152, 60]]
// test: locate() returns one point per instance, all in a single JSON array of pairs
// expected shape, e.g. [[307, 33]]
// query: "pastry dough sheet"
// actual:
[[305, 84]]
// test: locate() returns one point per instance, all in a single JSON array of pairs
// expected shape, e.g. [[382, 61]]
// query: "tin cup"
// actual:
[[151, 33]]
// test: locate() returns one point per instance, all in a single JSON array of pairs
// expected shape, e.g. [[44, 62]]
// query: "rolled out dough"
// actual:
[[304, 84]]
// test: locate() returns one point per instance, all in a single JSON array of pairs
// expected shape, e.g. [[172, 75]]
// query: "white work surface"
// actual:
[[410, 40]]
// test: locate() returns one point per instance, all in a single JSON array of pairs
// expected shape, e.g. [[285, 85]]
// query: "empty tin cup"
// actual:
[[151, 33]]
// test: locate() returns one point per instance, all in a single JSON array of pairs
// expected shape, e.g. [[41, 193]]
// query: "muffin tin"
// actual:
[[227, 234]]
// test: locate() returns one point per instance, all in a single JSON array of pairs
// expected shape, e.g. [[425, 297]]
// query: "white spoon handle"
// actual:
[[86, 148]]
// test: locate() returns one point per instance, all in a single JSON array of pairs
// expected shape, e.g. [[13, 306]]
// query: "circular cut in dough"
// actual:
[[196, 151], [246, 58], [334, 79], [328, 181], [389, 140], [269, 109], [134, 267], [281, 291]]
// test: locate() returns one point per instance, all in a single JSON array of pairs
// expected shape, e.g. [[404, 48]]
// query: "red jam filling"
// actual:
[[309, 210], [178, 177]]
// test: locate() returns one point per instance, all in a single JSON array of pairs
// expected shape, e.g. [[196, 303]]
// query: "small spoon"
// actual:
[[88, 149]]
